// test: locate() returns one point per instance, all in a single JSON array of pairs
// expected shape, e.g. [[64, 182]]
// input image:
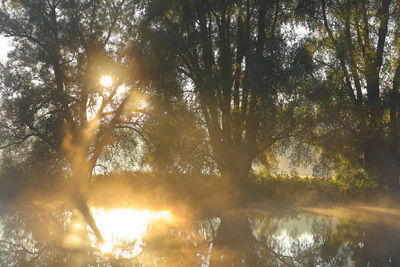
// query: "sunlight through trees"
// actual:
[[149, 132]]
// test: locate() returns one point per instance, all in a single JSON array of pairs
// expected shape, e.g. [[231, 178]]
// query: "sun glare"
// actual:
[[106, 80], [125, 225]]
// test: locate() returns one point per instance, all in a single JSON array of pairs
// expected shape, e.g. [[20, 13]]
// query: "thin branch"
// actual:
[[19, 246], [22, 140]]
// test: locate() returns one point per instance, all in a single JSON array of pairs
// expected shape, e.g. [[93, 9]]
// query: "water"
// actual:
[[305, 239], [334, 236]]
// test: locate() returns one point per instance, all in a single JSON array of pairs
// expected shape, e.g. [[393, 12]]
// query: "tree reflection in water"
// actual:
[[31, 238]]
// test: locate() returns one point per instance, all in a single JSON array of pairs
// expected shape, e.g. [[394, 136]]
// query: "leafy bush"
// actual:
[[354, 180]]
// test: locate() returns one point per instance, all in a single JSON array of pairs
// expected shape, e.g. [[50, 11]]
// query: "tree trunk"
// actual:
[[80, 203], [384, 163], [235, 167], [234, 244], [78, 191]]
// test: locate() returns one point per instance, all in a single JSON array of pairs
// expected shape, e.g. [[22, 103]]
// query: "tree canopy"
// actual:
[[356, 46], [212, 88], [51, 91], [231, 62]]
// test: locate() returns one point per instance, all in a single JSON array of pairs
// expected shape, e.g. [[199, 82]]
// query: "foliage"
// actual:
[[355, 46], [52, 101], [353, 180], [202, 91], [346, 184], [231, 63]]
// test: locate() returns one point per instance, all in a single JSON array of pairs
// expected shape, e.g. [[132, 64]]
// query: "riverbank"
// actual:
[[208, 196]]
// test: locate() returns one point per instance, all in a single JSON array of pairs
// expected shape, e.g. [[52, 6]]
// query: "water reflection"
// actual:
[[306, 240], [234, 239], [125, 227]]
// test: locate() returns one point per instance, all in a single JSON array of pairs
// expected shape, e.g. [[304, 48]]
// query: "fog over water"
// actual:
[[154, 133]]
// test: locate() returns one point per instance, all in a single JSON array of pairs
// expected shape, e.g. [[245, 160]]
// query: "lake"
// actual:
[[311, 236]]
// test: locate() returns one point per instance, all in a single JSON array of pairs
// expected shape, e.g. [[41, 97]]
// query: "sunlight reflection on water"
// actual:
[[128, 233], [124, 228]]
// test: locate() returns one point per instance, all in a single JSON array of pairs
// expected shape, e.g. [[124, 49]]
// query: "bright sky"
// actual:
[[4, 48]]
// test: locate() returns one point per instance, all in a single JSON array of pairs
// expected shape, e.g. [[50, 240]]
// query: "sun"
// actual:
[[125, 225], [106, 80]]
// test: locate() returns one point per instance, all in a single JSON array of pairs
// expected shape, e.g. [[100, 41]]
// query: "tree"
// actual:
[[229, 58], [51, 94], [231, 63], [357, 49], [175, 143]]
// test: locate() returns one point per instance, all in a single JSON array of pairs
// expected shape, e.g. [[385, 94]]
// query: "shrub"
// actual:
[[353, 180]]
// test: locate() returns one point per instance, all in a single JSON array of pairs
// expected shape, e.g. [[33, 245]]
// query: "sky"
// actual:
[[5, 47]]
